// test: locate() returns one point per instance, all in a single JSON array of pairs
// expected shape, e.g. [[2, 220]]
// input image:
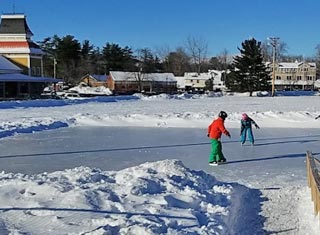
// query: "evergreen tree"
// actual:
[[49, 46], [250, 73], [86, 65], [117, 58], [147, 61], [68, 53]]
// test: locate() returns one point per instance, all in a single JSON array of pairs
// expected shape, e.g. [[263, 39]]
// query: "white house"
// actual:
[[196, 81]]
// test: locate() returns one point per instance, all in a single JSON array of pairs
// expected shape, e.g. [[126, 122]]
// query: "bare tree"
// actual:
[[266, 50], [281, 50], [162, 53], [178, 61], [140, 78], [198, 48], [223, 57]]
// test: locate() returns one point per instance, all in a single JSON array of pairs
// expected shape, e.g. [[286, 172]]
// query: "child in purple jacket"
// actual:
[[246, 128]]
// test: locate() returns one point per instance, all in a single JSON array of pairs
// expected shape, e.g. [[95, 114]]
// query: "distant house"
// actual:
[[94, 80], [196, 81], [293, 75], [150, 83]]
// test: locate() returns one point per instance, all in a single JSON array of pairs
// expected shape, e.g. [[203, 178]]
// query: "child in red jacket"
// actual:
[[215, 130]]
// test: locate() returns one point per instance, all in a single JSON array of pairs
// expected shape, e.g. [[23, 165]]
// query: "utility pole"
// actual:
[[274, 43], [54, 67]]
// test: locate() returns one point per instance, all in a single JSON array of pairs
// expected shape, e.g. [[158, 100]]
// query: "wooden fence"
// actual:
[[314, 181]]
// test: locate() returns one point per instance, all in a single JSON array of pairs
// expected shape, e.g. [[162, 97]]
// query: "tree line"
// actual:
[[69, 59]]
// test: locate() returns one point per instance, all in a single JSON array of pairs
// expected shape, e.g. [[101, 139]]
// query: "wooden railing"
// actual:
[[314, 181]]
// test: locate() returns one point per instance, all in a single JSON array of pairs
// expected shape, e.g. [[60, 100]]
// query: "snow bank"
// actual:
[[157, 111], [100, 90], [161, 197]]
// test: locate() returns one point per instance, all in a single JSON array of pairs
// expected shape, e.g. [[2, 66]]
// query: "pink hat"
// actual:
[[244, 116]]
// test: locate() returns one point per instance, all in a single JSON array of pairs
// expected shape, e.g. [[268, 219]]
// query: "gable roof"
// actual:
[[291, 65], [7, 67], [132, 76], [122, 76], [216, 75], [99, 77], [295, 64]]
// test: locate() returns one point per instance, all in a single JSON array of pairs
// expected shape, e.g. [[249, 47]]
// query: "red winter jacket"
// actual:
[[216, 129]]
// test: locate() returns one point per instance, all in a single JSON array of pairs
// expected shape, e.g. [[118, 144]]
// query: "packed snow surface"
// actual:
[[161, 196]]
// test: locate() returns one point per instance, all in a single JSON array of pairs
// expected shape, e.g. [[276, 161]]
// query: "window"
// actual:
[[299, 78], [288, 77], [278, 77], [198, 81]]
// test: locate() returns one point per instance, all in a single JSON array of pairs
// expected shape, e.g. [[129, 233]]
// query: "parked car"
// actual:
[[72, 95]]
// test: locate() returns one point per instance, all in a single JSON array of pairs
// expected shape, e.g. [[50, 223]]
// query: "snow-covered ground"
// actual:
[[163, 185]]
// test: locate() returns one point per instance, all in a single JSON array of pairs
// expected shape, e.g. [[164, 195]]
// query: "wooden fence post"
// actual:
[[313, 181]]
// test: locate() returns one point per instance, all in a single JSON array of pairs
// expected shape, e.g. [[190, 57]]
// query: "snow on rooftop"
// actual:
[[133, 76]]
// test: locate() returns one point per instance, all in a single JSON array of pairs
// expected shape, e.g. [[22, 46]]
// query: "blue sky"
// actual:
[[168, 23]]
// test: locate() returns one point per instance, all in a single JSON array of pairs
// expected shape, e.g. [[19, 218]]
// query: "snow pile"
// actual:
[[100, 90], [153, 198]]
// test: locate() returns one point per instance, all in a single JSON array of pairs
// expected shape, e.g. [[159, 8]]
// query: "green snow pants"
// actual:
[[216, 151]]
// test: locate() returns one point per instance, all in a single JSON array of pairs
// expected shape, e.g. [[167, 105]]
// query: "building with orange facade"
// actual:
[[17, 46], [20, 60]]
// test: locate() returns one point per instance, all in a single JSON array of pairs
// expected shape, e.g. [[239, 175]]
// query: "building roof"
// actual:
[[215, 74], [291, 65], [98, 77], [8, 67], [14, 27], [14, 24], [295, 64], [132, 76], [18, 77]]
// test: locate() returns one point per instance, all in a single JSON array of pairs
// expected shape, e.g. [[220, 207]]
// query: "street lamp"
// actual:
[[274, 43]]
